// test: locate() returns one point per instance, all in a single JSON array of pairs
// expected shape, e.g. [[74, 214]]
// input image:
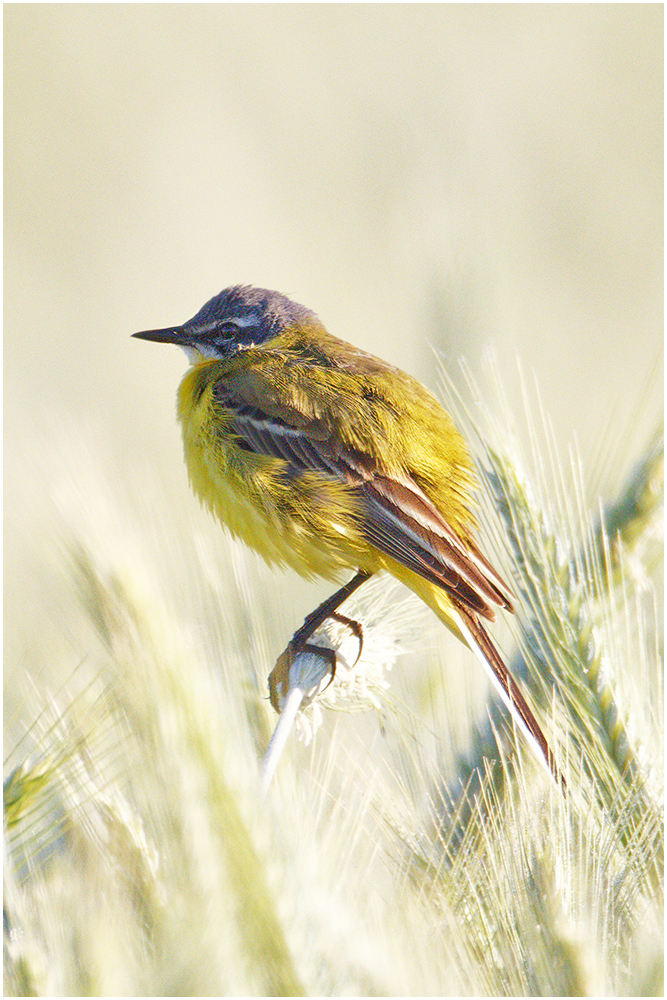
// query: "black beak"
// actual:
[[170, 335]]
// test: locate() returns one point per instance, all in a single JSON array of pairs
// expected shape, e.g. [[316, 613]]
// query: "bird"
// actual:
[[326, 459]]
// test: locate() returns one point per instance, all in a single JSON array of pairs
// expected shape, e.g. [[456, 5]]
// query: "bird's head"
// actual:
[[237, 318]]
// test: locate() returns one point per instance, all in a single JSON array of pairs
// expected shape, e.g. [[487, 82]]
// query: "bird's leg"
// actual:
[[279, 677], [326, 609]]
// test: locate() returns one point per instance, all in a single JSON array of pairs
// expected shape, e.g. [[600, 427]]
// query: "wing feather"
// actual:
[[398, 518]]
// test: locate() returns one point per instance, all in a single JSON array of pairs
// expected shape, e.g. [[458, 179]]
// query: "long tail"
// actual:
[[465, 624], [480, 643]]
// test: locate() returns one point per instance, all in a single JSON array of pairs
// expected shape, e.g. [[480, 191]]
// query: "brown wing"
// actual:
[[398, 518]]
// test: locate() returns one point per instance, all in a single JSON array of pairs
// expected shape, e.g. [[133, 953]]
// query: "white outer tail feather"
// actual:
[[514, 712]]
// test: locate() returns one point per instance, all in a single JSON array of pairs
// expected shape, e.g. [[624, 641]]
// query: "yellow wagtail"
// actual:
[[325, 458]]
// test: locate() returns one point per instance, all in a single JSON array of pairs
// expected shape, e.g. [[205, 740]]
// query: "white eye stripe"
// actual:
[[243, 321]]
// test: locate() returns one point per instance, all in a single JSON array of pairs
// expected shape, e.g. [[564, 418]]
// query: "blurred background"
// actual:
[[459, 176]]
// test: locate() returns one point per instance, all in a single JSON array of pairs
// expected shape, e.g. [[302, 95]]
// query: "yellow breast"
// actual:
[[309, 522]]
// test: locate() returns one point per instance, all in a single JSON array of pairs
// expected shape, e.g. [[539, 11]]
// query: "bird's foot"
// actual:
[[308, 665]]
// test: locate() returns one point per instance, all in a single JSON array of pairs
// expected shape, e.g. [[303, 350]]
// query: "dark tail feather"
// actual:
[[509, 691]]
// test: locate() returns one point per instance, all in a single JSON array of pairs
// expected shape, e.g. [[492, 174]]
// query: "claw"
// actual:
[[305, 668]]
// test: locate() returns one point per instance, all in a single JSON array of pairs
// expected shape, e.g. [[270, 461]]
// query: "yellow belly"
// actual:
[[309, 522]]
